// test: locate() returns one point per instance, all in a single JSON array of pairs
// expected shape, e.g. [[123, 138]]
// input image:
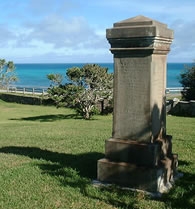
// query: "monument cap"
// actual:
[[139, 26]]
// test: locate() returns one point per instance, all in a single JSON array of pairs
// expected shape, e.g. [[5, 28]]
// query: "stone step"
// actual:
[[130, 175], [141, 154]]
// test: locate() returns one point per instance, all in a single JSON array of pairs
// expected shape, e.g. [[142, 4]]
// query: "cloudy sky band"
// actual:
[[74, 30]]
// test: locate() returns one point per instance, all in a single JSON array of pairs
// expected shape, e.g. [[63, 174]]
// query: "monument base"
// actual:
[[129, 175], [147, 171]]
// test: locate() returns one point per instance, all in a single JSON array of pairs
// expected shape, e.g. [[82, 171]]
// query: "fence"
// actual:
[[26, 90], [174, 90], [43, 90]]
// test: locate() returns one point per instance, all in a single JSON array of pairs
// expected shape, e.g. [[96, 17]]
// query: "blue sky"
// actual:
[[34, 31]]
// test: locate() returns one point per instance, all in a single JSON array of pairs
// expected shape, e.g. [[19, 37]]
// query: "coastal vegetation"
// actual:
[[48, 159], [7, 73], [86, 87], [187, 79]]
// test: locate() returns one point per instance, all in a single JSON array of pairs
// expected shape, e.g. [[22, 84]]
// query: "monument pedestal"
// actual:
[[137, 165], [139, 154], [130, 175]]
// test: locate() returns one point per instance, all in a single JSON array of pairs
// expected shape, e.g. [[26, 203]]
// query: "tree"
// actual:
[[187, 79], [87, 86], [7, 73]]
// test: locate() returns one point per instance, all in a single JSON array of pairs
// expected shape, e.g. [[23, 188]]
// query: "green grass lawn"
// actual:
[[48, 159]]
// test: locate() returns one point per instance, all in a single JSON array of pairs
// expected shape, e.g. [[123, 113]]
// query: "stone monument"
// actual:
[[139, 154]]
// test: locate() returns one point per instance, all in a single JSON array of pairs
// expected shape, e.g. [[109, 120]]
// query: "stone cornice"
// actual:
[[140, 34]]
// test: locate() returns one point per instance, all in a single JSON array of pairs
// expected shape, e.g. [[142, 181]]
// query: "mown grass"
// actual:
[[48, 159]]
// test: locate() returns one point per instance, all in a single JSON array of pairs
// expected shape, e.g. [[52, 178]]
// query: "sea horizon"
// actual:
[[84, 62], [35, 74]]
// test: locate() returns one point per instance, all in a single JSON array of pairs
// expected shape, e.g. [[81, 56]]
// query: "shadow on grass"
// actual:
[[181, 163], [49, 118], [72, 170], [79, 162]]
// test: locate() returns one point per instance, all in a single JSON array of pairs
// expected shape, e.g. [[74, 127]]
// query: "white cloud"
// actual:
[[63, 38], [183, 44], [6, 36], [184, 33], [60, 32]]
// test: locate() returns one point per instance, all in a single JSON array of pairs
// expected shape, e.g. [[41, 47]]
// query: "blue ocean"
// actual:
[[35, 75]]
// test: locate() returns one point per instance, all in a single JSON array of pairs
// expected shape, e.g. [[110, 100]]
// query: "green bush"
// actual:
[[87, 86], [187, 79]]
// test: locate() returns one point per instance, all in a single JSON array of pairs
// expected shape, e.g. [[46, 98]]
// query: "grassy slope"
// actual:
[[48, 159]]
